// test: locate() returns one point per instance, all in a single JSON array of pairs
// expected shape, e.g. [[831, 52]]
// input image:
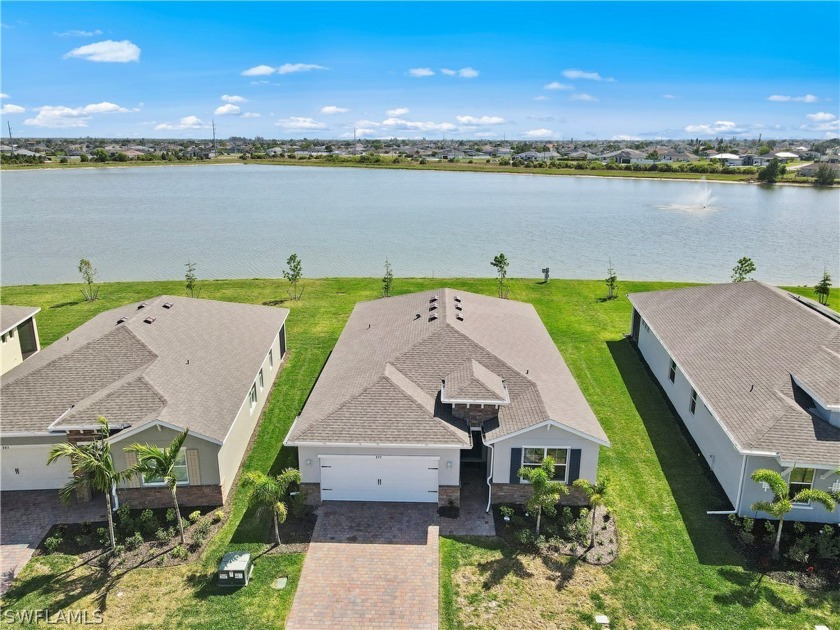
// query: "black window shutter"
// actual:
[[574, 465], [515, 464]]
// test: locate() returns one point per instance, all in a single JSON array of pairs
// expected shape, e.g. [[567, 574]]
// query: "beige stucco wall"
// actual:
[[208, 452], [10, 354], [236, 443]]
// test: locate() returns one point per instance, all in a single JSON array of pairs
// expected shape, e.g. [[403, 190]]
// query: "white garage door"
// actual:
[[379, 478], [25, 468]]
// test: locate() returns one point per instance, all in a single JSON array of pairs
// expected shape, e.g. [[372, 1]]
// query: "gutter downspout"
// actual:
[[115, 499], [740, 491], [489, 472]]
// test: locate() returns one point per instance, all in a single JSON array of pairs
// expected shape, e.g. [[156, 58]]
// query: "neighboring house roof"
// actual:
[[191, 367], [382, 382], [11, 316], [743, 345]]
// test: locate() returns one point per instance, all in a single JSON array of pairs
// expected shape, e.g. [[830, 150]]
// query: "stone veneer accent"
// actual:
[[449, 493], [521, 492], [162, 497], [312, 492]]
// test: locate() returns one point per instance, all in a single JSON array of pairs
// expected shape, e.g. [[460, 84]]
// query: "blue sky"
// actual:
[[459, 70]]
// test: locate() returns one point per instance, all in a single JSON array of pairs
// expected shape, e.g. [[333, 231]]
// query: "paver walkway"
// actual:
[[25, 518], [370, 565], [472, 520]]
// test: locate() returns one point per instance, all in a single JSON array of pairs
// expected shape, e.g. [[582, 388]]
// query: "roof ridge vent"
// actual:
[[434, 298], [457, 298], [149, 320], [458, 307], [142, 305], [168, 305], [122, 320], [460, 317], [433, 317], [433, 307]]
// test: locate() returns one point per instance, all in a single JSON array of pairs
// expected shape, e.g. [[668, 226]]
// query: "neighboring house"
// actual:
[[626, 156], [152, 369], [754, 374], [19, 335], [810, 170], [421, 385]]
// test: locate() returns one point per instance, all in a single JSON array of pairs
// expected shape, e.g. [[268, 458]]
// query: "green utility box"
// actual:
[[235, 569]]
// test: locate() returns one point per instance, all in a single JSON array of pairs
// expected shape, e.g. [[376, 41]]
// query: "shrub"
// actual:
[[133, 542], [203, 527], [162, 535], [526, 537], [799, 527], [87, 527], [126, 524], [119, 550], [170, 515], [506, 510], [218, 516], [102, 535], [827, 544], [798, 551], [194, 516], [148, 522], [298, 506], [53, 543], [180, 553], [422, 160], [81, 541]]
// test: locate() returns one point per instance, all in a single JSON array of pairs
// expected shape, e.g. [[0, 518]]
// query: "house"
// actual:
[[19, 335], [810, 170], [754, 374], [423, 386], [152, 369], [626, 156]]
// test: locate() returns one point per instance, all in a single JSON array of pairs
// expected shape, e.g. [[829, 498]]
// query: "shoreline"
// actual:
[[435, 167]]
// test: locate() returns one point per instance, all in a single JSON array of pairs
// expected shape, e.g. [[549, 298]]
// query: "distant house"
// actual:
[[626, 156], [679, 156], [19, 335], [422, 387], [811, 169], [531, 156], [754, 374], [152, 369]]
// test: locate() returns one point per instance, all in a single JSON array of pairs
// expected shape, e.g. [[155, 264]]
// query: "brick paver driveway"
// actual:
[[25, 518], [370, 565]]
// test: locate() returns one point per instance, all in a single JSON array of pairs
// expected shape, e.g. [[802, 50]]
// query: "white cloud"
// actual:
[[542, 97], [289, 68], [828, 125], [8, 108], [668, 96], [332, 109], [821, 117], [399, 111], [722, 127], [586, 98], [78, 33], [4, 95], [62, 117], [187, 122], [556, 85], [299, 123], [251, 115], [421, 72], [625, 138], [400, 124], [464, 73], [538, 133], [483, 120], [228, 98], [107, 51], [807, 98], [589, 76], [227, 110], [258, 71]]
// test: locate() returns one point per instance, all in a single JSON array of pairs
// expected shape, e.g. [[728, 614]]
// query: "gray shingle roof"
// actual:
[[742, 345], [392, 356], [473, 381], [11, 316], [192, 367]]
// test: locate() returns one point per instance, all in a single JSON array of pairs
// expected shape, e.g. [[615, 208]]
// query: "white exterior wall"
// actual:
[[236, 441], [551, 437], [718, 449], [10, 354], [753, 492], [311, 473]]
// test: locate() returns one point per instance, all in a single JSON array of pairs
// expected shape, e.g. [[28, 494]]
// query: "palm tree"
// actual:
[[595, 493], [93, 468], [159, 463], [268, 492], [546, 491], [782, 502]]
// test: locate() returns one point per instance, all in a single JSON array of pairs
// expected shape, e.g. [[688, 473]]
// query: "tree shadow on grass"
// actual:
[[495, 571], [562, 570], [692, 484], [750, 589], [63, 304]]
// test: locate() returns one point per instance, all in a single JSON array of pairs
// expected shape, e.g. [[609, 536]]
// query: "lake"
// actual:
[[144, 223]]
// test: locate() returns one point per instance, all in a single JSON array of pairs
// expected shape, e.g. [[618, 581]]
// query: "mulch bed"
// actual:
[[295, 535], [603, 552]]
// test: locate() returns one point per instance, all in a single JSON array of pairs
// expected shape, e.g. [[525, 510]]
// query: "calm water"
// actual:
[[244, 221]]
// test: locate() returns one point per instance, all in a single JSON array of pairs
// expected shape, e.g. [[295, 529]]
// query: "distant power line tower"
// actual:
[[215, 149]]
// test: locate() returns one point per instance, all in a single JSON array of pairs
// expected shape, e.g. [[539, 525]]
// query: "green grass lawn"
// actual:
[[676, 568]]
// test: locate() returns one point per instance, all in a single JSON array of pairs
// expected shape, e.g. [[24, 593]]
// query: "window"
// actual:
[[179, 469], [692, 406], [12, 333], [800, 479], [252, 396], [271, 358], [533, 458], [262, 381], [672, 371]]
